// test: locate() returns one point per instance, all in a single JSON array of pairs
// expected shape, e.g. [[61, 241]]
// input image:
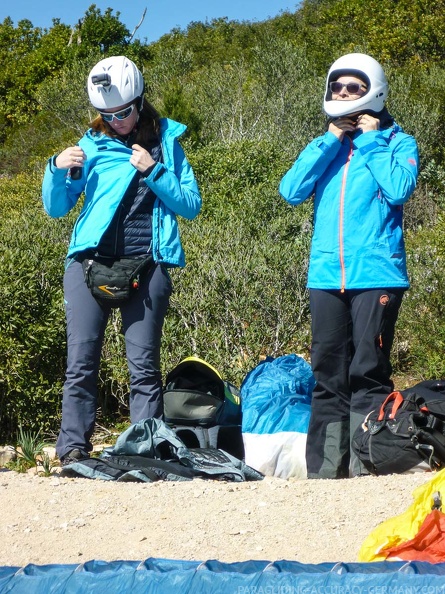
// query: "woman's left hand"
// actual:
[[140, 158], [367, 123]]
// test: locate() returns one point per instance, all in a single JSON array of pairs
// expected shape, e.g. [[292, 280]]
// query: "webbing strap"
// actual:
[[398, 400]]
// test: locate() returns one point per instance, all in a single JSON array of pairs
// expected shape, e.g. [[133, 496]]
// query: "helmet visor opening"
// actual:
[[336, 74]]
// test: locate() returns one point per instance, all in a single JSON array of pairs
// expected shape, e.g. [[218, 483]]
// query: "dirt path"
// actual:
[[61, 520]]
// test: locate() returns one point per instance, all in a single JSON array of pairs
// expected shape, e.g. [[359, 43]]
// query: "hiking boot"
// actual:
[[75, 455]]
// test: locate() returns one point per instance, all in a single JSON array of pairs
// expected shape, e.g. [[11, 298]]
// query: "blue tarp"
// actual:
[[165, 576]]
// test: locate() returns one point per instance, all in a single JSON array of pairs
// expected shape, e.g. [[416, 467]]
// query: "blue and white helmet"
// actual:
[[113, 82], [368, 70]]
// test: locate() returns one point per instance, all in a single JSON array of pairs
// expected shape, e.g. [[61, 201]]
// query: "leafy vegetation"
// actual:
[[30, 453], [250, 94]]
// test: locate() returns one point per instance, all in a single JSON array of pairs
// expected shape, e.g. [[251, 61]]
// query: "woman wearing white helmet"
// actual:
[[360, 172], [135, 179]]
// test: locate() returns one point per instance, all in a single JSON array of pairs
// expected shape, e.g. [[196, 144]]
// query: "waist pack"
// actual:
[[409, 428], [114, 280]]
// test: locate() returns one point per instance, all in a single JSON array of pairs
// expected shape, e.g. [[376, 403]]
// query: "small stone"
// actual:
[[7, 454]]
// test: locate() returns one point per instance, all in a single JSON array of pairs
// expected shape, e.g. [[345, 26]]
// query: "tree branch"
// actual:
[[138, 25]]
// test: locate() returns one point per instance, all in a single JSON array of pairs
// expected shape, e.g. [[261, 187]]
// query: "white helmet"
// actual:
[[113, 82], [365, 68]]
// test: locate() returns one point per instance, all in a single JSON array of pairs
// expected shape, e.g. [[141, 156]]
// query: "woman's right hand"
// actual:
[[73, 156], [340, 126]]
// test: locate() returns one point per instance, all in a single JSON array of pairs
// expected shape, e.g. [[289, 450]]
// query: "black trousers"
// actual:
[[352, 336]]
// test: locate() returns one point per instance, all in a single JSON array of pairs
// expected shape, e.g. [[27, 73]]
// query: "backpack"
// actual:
[[203, 409], [196, 394], [408, 429]]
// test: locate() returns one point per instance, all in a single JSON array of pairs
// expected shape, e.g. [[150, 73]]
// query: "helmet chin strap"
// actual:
[[386, 119]]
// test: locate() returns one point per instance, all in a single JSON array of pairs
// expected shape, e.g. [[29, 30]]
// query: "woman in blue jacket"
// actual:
[[135, 179], [360, 172]]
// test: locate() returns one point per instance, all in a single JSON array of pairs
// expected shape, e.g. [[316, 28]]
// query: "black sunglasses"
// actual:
[[352, 87]]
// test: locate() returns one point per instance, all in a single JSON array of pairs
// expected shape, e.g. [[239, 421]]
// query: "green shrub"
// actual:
[[242, 294], [32, 336], [421, 330]]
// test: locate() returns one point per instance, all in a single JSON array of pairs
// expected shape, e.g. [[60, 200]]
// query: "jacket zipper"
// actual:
[[341, 218], [121, 207], [158, 251]]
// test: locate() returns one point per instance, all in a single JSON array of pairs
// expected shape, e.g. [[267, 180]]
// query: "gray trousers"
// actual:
[[142, 321]]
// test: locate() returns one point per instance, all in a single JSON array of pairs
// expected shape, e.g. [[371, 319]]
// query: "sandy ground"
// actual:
[[60, 520]]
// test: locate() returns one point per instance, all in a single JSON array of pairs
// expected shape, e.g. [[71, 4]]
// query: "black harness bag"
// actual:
[[203, 409], [114, 280], [408, 428]]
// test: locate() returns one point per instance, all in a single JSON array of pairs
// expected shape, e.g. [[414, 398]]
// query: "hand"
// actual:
[[73, 156], [140, 158], [340, 126], [367, 123]]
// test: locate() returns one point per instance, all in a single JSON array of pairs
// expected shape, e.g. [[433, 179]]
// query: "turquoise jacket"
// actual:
[[359, 187], [107, 174]]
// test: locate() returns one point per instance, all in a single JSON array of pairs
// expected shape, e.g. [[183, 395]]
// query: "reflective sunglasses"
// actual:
[[122, 114], [352, 87]]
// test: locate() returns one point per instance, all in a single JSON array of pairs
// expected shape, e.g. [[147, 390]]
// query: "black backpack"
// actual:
[[203, 409], [409, 428], [195, 394]]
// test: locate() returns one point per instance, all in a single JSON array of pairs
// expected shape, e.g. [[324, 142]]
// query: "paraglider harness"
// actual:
[[408, 428], [203, 409]]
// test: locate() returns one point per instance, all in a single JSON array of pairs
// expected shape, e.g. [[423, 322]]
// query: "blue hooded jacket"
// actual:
[[106, 175], [360, 186]]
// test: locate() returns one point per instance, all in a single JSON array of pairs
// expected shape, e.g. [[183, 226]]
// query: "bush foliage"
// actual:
[[250, 94]]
